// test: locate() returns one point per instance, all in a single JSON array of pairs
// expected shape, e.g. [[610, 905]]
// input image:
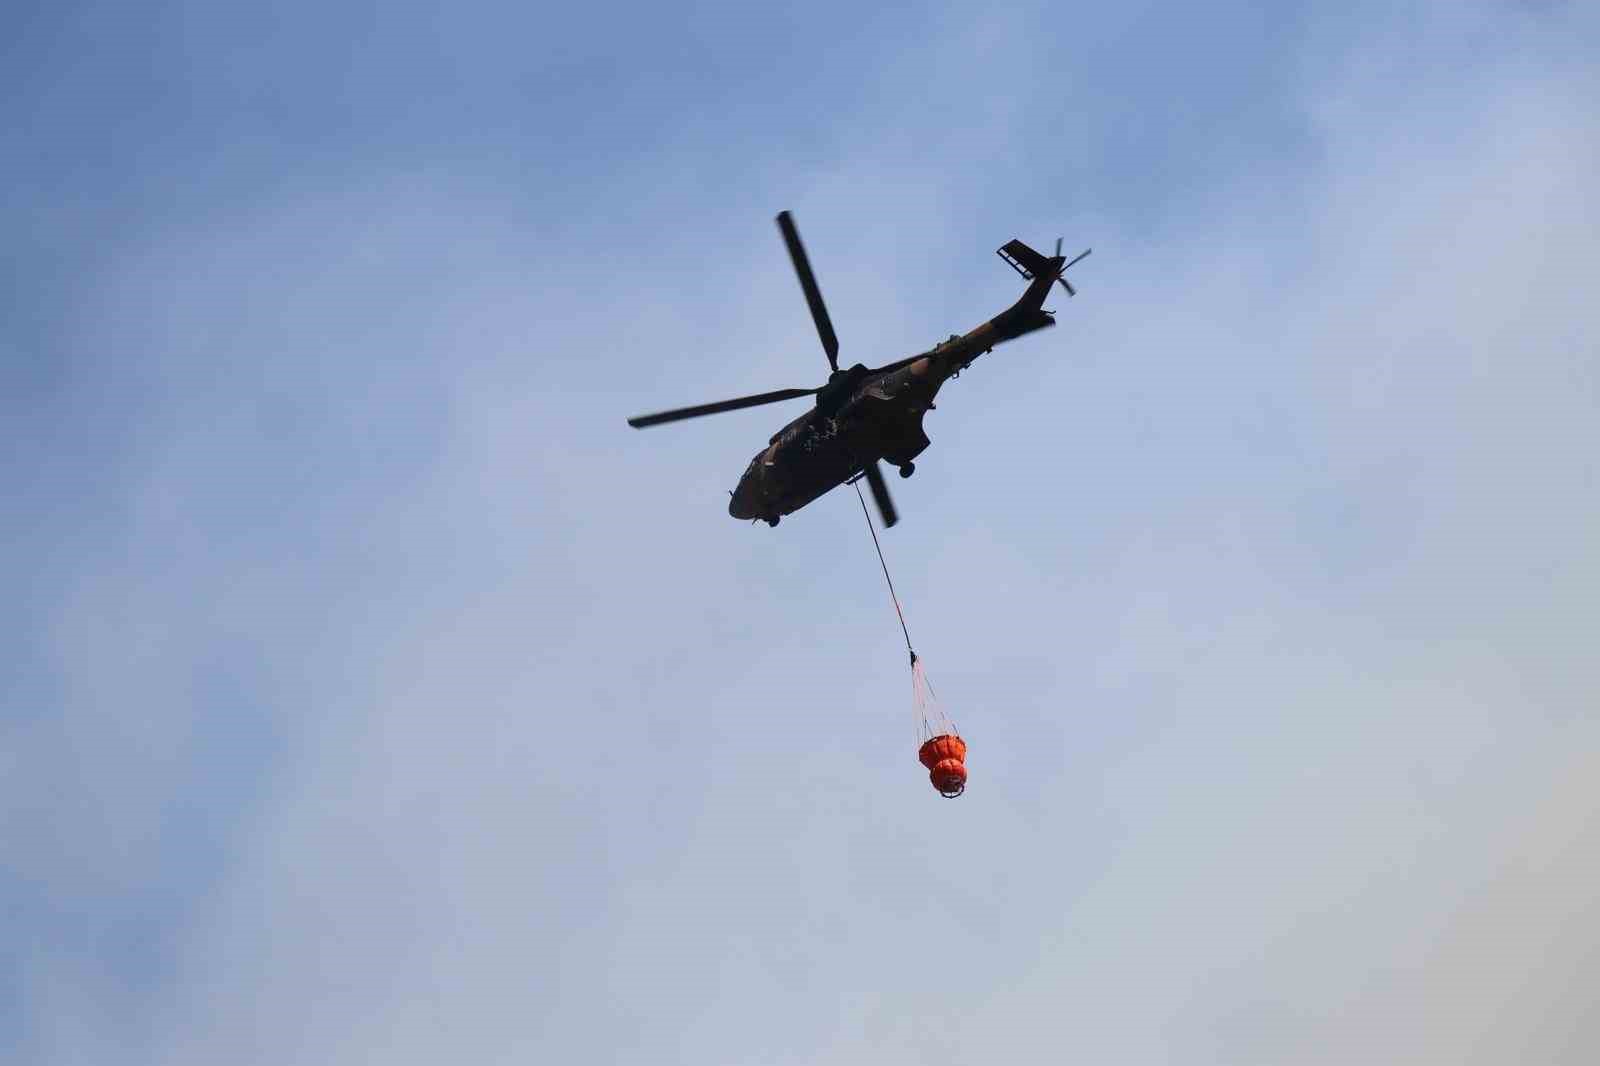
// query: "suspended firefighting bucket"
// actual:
[[941, 749], [943, 756]]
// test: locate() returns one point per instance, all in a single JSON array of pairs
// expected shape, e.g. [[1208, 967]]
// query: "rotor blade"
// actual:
[[715, 408], [880, 494], [808, 283], [1065, 284]]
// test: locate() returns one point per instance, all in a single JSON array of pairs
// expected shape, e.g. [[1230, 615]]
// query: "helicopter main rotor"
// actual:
[[830, 347], [808, 285]]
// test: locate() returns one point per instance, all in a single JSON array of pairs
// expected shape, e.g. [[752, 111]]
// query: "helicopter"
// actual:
[[864, 416]]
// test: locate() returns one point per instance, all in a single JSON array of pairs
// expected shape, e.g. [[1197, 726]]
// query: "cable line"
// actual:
[[887, 579]]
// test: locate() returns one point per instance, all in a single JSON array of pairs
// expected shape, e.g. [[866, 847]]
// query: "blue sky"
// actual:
[[372, 693]]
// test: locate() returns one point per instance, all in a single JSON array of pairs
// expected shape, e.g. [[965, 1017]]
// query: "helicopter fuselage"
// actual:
[[864, 415]]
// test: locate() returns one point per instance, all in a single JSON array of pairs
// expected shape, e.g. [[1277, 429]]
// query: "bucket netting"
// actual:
[[931, 719]]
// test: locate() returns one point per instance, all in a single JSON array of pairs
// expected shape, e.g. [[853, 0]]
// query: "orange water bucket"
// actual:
[[945, 757]]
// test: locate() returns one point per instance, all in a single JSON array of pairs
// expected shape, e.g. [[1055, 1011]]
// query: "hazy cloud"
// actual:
[[379, 695]]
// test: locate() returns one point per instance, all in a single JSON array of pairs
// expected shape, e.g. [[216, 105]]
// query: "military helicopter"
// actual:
[[863, 416]]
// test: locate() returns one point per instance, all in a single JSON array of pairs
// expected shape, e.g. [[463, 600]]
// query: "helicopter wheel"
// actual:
[[908, 469], [773, 521]]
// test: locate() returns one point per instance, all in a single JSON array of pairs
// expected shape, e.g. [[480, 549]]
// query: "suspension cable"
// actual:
[[887, 579]]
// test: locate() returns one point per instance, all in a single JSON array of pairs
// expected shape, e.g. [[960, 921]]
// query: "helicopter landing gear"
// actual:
[[907, 469], [773, 521]]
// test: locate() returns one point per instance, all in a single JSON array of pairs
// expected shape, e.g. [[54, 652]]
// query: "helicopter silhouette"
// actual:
[[863, 416]]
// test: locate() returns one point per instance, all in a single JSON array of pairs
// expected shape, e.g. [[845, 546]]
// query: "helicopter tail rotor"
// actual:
[[1061, 271], [1031, 264]]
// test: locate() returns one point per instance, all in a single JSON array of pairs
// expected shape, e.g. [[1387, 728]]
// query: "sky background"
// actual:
[[369, 692]]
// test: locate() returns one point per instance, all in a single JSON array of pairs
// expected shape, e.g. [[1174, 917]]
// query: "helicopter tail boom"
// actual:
[[1028, 314]]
